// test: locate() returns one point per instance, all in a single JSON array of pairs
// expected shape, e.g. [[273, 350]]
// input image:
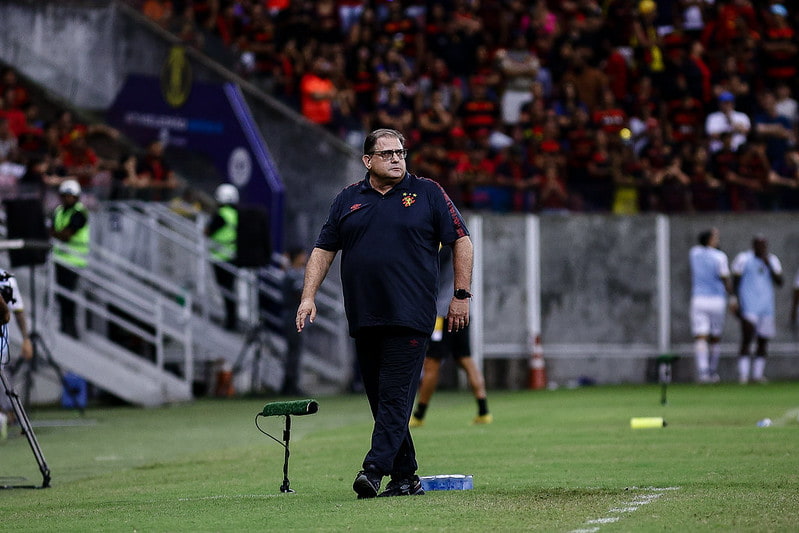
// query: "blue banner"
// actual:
[[212, 119]]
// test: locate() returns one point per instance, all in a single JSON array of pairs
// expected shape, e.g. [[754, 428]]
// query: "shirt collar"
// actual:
[[404, 184]]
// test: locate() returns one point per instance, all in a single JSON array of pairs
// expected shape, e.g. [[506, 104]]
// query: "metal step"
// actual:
[[114, 369]]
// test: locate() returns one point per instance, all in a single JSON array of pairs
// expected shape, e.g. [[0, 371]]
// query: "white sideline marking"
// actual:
[[228, 497], [652, 494], [608, 520]]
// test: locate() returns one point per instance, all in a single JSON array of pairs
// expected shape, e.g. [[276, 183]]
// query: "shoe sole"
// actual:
[[364, 488], [388, 494]]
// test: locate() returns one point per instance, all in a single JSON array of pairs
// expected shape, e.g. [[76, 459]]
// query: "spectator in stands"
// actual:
[[326, 27], [628, 180], [727, 120], [37, 179], [78, 159], [126, 182], [597, 192], [474, 176], [479, 111], [748, 182], [404, 33], [589, 81], [70, 226], [436, 77], [734, 78], [685, 117], [755, 274], [8, 142], [158, 175], [12, 89], [707, 192], [361, 73], [259, 39], [788, 171], [779, 48], [395, 112], [435, 121], [785, 104], [672, 187], [553, 193], [519, 68], [567, 104], [160, 11], [775, 129], [317, 93], [519, 177], [699, 79]]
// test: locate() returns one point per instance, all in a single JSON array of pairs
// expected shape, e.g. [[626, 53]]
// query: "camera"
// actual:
[[6, 292]]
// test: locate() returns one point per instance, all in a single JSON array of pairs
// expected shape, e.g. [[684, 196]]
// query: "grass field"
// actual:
[[563, 460]]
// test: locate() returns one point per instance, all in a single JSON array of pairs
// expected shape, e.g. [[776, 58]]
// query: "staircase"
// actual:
[[149, 286]]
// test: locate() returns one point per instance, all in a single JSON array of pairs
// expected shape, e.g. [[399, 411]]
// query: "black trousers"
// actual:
[[390, 359], [67, 279], [227, 281]]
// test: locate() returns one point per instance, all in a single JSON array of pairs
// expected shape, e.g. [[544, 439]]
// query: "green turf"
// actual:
[[560, 460]]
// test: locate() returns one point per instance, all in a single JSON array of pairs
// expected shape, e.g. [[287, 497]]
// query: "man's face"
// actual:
[[761, 246], [382, 165], [69, 199], [714, 238]]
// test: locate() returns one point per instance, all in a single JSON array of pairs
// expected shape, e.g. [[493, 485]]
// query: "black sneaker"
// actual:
[[367, 484], [409, 486]]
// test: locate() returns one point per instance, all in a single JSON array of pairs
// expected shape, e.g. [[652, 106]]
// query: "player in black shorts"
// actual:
[[444, 343]]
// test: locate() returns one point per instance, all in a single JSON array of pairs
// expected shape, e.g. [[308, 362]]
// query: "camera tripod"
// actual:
[[259, 343], [28, 367], [27, 430]]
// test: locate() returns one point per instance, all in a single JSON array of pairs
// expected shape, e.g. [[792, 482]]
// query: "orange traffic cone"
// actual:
[[538, 371]]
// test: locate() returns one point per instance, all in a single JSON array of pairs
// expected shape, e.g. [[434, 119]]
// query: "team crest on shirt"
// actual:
[[408, 198], [355, 207]]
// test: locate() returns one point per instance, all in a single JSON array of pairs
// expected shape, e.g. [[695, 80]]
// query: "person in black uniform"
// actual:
[[389, 227]]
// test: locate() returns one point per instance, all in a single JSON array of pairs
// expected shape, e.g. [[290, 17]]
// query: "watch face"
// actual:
[[462, 294]]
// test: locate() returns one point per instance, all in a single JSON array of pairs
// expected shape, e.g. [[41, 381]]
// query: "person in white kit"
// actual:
[[755, 273], [710, 285]]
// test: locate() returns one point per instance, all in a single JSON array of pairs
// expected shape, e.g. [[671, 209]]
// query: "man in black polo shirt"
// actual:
[[388, 227]]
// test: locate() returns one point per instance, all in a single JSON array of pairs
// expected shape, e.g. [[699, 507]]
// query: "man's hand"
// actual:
[[307, 309], [458, 315], [26, 351]]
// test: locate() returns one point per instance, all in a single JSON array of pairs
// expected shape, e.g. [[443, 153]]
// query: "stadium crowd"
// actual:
[[579, 105], [42, 148], [617, 106]]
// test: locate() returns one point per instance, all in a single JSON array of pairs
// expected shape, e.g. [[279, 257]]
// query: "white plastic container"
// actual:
[[447, 482]]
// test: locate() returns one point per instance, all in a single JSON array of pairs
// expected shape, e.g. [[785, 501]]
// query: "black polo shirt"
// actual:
[[389, 250]]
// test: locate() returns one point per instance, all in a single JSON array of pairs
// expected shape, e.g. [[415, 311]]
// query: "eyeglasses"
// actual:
[[388, 155]]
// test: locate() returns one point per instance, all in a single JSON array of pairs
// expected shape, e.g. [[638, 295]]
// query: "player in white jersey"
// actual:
[[710, 285], [755, 273]]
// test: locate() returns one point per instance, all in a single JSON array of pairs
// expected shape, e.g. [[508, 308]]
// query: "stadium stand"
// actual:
[[647, 76]]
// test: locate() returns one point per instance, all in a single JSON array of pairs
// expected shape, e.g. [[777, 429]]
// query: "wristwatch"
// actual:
[[462, 294]]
